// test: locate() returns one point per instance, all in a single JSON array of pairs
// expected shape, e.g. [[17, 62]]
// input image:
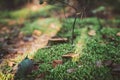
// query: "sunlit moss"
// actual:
[[47, 25]]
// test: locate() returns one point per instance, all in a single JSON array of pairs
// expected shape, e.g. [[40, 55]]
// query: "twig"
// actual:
[[73, 27]]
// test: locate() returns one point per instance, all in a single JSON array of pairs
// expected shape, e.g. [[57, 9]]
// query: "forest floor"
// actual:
[[20, 36], [35, 32]]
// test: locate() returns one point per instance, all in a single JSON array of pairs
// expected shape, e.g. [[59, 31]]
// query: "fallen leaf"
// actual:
[[52, 25], [37, 32], [107, 63], [19, 43], [118, 34], [92, 33], [71, 70], [35, 67], [10, 41], [5, 29], [12, 50], [71, 56], [15, 68], [21, 21], [42, 75], [1, 39], [56, 63], [20, 51], [98, 63], [58, 39], [116, 68], [21, 35], [28, 38], [11, 64], [12, 22]]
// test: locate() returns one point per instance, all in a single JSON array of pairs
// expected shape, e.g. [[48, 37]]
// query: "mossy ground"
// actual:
[[93, 49], [105, 45]]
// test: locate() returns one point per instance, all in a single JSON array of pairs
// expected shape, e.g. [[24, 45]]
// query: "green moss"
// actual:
[[28, 13], [53, 53], [22, 13], [94, 49], [42, 25]]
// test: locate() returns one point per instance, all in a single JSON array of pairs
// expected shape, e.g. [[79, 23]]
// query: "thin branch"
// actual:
[[73, 27]]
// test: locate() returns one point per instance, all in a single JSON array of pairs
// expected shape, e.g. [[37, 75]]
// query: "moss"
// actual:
[[94, 49], [43, 25]]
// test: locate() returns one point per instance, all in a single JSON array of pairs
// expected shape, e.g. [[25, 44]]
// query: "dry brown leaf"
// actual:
[[116, 69], [37, 32], [12, 50], [42, 75], [118, 34], [56, 63], [52, 25], [12, 22], [35, 67], [11, 63], [92, 33], [27, 38], [70, 55], [21, 35], [5, 30], [107, 62], [58, 39], [1, 39], [74, 57], [20, 52]]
